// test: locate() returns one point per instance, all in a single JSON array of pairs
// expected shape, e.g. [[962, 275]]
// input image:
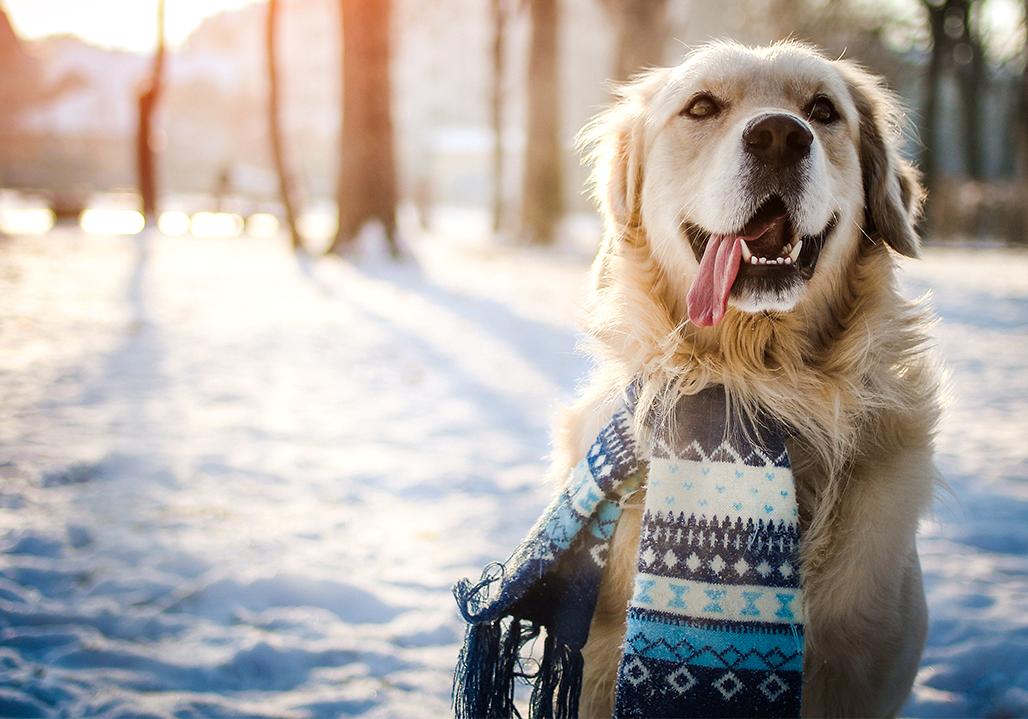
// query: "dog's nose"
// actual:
[[777, 139]]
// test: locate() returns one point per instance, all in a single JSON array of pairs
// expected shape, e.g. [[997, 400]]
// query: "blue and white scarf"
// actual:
[[715, 625]]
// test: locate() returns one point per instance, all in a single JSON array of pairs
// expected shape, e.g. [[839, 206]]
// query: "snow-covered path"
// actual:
[[232, 484]]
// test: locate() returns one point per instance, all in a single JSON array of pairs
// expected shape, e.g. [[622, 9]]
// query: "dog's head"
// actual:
[[754, 173]]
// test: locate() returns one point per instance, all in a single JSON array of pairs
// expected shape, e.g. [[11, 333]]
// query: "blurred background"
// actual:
[[289, 293]]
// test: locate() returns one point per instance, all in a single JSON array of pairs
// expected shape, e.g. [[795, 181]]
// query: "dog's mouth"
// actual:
[[765, 256]]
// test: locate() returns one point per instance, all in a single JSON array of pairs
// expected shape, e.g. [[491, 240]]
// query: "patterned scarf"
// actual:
[[714, 627]]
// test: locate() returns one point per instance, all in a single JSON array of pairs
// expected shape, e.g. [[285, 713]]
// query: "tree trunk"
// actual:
[[972, 85], [147, 103], [366, 189], [278, 152], [499, 8], [641, 35], [1022, 130], [543, 196], [933, 77]]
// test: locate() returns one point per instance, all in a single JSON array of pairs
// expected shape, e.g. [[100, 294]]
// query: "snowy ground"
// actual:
[[232, 484]]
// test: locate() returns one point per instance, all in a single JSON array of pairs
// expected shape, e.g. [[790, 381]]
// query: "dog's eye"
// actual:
[[702, 106], [822, 110]]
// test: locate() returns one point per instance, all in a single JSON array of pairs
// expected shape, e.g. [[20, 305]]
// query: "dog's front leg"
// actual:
[[865, 609], [602, 652]]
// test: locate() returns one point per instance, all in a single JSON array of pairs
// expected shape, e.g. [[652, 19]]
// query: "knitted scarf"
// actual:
[[714, 627]]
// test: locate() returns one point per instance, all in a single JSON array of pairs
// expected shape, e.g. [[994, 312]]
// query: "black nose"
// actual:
[[777, 139]]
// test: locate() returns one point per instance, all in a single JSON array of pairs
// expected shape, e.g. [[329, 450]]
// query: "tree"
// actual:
[[500, 8], [278, 152], [542, 195], [366, 189], [641, 34], [1022, 125], [148, 98], [970, 57], [933, 77], [956, 46]]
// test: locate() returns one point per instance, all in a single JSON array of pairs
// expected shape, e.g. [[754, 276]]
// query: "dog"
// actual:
[[796, 155]]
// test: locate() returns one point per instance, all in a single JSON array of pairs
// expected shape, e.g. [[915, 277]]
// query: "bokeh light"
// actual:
[[102, 221], [262, 224], [26, 220], [173, 223], [216, 225]]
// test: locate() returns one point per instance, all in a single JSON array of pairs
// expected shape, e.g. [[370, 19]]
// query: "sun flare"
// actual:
[[122, 24]]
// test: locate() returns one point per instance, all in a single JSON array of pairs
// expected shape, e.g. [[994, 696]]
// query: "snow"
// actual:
[[238, 484]]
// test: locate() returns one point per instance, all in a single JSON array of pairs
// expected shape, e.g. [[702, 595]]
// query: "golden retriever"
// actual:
[[796, 156]]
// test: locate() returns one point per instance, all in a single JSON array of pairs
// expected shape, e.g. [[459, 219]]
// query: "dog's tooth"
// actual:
[[746, 254], [753, 260], [795, 254], [788, 260], [779, 260], [763, 260]]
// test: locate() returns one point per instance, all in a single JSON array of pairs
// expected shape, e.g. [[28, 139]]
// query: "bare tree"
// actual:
[[970, 57], [642, 32], [956, 47], [1022, 126], [278, 152], [933, 78], [543, 192], [500, 9], [366, 189], [148, 98]]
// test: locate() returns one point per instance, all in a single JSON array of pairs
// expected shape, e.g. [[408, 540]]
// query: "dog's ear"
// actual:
[[893, 194], [613, 143]]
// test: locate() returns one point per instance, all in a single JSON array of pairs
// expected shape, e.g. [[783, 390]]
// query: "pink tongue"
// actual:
[[708, 296]]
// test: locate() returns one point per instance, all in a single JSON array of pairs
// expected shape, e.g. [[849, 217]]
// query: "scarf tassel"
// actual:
[[483, 682], [489, 663], [473, 691], [558, 684]]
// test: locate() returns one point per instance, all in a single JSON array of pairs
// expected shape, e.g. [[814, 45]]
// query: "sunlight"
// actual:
[[262, 224], [211, 225], [111, 222], [173, 223], [122, 24], [318, 225], [26, 220]]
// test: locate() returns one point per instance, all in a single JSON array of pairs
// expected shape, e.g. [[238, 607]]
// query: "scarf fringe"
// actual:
[[490, 662], [477, 683], [560, 679], [483, 682]]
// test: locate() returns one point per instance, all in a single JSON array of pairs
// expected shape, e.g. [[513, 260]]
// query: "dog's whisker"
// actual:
[[863, 232]]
